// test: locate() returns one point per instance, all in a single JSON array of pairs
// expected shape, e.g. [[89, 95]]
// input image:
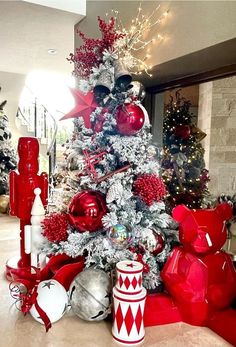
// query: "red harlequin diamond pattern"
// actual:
[[119, 318], [121, 281], [138, 319], [134, 282], [127, 282], [129, 320]]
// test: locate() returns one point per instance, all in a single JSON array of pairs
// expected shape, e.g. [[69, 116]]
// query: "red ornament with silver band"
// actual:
[[130, 119], [86, 210]]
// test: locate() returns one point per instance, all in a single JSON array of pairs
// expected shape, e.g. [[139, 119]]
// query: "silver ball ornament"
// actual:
[[119, 236], [138, 90], [90, 295]]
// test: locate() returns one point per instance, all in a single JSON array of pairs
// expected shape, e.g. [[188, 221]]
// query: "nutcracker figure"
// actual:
[[22, 185]]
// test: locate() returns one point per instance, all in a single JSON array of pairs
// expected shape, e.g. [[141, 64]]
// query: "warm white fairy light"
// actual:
[[134, 42]]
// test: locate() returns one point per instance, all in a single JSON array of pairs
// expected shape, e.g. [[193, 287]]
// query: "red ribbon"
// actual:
[[60, 267], [29, 297]]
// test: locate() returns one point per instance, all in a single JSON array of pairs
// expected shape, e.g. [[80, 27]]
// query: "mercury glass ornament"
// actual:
[[104, 83], [119, 236], [90, 294], [153, 240]]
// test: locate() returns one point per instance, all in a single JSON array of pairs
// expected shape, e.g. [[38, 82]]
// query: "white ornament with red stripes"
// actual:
[[129, 277]]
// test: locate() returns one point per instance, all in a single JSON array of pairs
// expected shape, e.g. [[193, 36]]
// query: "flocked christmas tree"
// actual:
[[111, 207], [183, 165], [7, 153]]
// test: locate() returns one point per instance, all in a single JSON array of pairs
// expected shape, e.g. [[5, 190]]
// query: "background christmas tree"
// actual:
[[7, 153], [111, 207], [183, 165]]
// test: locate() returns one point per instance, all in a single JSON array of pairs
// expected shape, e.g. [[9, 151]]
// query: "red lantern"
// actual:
[[86, 210], [183, 131], [130, 119]]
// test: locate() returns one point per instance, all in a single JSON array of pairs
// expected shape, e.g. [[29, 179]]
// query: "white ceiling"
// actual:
[[73, 6], [29, 30]]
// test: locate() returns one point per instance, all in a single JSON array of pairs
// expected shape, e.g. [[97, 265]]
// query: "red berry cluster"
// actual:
[[109, 34], [89, 55], [149, 188], [55, 227]]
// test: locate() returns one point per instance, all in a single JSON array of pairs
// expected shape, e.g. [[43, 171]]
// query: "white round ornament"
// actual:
[[53, 300]]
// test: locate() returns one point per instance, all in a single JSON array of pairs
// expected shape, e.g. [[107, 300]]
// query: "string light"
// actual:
[[134, 42]]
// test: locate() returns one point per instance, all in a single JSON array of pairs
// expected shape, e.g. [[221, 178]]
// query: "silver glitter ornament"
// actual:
[[104, 83], [90, 295], [122, 75]]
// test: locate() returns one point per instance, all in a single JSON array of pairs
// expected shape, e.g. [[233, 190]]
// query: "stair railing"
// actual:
[[43, 124]]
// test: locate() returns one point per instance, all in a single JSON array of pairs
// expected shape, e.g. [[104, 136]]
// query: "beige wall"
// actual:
[[217, 117], [190, 26], [12, 85]]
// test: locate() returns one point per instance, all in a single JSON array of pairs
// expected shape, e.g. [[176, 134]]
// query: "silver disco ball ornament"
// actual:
[[90, 294]]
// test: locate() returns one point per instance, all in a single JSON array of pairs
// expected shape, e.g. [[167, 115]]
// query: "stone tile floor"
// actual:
[[70, 331]]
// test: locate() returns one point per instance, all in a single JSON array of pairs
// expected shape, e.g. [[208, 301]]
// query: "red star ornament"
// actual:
[[85, 104]]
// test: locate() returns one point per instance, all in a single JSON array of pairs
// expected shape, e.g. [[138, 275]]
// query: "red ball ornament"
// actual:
[[183, 131], [160, 242], [130, 119], [86, 210], [153, 241]]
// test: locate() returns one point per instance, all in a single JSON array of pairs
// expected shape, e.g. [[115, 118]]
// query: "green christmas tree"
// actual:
[[183, 164]]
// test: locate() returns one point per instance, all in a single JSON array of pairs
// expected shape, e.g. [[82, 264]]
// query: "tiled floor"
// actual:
[[19, 331]]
